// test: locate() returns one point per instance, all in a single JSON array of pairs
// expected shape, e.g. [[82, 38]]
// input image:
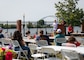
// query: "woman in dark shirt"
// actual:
[[18, 36]]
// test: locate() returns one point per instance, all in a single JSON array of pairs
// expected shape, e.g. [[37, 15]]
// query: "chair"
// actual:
[[82, 42], [38, 55], [68, 45], [16, 44], [1, 43], [60, 40], [69, 55], [6, 42], [34, 51], [33, 48], [48, 52], [42, 43]]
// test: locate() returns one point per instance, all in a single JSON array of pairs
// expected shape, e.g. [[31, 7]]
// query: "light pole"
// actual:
[[23, 24], [37, 28], [7, 26]]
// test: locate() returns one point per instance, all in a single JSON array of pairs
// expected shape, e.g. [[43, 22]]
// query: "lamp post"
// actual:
[[37, 27], [45, 28], [7, 26], [23, 24]]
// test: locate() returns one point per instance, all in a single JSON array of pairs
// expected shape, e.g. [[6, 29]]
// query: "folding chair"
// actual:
[[6, 42], [42, 43], [34, 51], [50, 51], [69, 55], [33, 48], [16, 44], [60, 40], [82, 42]]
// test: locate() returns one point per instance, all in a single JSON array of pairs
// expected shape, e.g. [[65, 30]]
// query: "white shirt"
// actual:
[[55, 25]]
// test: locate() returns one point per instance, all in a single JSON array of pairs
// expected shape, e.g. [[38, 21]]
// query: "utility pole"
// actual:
[[7, 26], [23, 24]]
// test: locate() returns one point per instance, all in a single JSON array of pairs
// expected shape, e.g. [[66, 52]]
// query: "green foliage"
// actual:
[[1, 25], [8, 26], [29, 25], [12, 26], [40, 23], [67, 10]]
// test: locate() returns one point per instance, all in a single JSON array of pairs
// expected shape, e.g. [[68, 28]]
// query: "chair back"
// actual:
[[16, 44], [33, 48], [42, 43], [61, 40], [6, 42], [69, 54], [82, 42], [48, 50], [68, 45]]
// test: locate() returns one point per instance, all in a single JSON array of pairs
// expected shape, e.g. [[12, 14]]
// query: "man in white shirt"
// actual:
[[55, 26]]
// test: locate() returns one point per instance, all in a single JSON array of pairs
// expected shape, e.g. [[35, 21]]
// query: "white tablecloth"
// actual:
[[29, 40], [58, 48]]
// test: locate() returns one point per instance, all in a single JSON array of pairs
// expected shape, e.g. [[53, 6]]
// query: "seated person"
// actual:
[[6, 35], [1, 35], [41, 36], [28, 35], [72, 40], [18, 36], [35, 35], [58, 35], [70, 29]]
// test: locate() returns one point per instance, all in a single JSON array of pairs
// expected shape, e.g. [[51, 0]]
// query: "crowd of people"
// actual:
[[17, 35]]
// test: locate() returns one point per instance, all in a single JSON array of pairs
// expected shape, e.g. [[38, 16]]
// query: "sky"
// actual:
[[34, 10]]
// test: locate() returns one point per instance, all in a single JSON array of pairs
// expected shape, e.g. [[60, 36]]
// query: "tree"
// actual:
[[40, 23], [68, 11], [30, 25]]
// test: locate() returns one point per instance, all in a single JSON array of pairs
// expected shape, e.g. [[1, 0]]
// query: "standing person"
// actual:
[[63, 22], [18, 36], [41, 36], [70, 29], [58, 35], [55, 26], [1, 35]]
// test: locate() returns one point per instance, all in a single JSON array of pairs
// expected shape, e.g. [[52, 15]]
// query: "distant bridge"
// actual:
[[49, 16], [5, 22]]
